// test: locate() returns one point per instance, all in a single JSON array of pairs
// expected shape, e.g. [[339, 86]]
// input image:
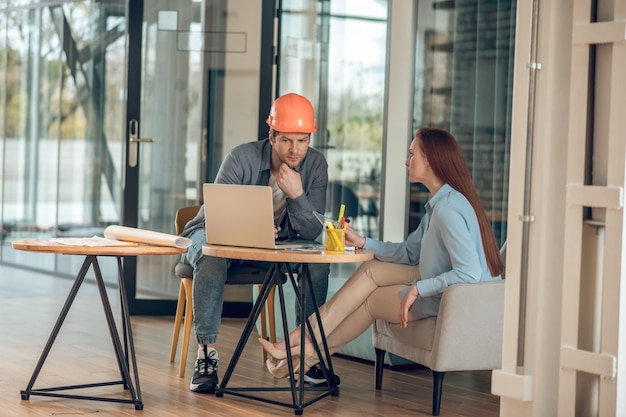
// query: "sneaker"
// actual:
[[315, 376], [205, 376]]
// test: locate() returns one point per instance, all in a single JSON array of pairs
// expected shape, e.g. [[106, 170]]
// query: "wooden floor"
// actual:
[[83, 353]]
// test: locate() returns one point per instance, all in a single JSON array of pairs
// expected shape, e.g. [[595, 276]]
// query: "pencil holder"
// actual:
[[334, 241]]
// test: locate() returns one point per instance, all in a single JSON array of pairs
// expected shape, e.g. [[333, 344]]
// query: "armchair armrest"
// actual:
[[468, 334]]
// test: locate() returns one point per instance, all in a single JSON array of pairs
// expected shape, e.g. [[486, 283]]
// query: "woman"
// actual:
[[454, 243]]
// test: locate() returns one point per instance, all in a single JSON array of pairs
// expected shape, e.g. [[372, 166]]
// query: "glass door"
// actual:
[[193, 94]]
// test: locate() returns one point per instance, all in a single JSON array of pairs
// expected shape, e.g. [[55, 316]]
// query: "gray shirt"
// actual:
[[249, 164]]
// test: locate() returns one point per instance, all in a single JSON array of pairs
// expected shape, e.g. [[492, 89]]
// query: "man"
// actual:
[[298, 176]]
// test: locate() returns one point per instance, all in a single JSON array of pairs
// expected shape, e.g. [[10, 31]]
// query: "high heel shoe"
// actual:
[[278, 353], [280, 368]]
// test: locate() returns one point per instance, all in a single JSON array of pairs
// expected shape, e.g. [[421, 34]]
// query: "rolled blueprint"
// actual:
[[132, 234]]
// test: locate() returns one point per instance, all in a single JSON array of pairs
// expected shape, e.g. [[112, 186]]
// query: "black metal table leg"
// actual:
[[120, 352], [254, 314], [296, 389], [325, 361]]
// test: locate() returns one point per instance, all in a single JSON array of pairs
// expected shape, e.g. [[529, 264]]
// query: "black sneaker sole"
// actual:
[[203, 389], [316, 382]]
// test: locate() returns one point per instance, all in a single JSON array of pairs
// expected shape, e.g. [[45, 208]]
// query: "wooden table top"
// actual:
[[296, 256], [56, 245]]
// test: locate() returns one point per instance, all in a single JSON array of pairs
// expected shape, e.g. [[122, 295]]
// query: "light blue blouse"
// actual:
[[446, 246]]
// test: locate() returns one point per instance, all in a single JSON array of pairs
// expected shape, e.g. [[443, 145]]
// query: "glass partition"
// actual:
[[334, 53], [62, 88], [199, 88], [463, 83]]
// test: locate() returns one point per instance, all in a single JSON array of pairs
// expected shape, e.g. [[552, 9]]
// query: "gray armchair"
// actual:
[[465, 336]]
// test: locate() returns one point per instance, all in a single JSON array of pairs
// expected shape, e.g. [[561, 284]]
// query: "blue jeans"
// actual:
[[209, 278]]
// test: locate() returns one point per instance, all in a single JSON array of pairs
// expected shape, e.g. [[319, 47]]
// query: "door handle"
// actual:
[[133, 128], [203, 145]]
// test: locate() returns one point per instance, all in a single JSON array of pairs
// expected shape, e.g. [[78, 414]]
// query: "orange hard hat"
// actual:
[[292, 113]]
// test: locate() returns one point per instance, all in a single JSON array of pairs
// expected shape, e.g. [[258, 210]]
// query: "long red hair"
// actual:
[[447, 162]]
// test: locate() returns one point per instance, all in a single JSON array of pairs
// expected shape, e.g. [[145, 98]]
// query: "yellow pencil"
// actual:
[[342, 208]]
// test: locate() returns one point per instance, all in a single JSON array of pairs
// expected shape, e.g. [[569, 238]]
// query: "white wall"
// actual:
[[544, 381], [540, 340], [241, 106], [397, 127]]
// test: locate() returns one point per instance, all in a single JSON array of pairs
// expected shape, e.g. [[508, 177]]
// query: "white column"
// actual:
[[397, 129]]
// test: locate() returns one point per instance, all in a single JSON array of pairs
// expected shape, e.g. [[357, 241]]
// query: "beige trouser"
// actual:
[[372, 292]]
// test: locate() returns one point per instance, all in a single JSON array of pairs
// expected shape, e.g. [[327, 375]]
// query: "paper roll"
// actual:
[[132, 234]]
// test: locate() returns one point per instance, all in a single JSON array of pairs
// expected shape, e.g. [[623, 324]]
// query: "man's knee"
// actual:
[[319, 271], [210, 262], [211, 268]]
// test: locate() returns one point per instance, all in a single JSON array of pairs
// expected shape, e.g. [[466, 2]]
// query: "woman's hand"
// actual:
[[353, 238], [407, 304], [276, 230]]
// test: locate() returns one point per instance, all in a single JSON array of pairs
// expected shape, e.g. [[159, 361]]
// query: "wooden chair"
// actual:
[[184, 308], [465, 336]]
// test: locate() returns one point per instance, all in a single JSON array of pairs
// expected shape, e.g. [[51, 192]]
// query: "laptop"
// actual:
[[243, 215]]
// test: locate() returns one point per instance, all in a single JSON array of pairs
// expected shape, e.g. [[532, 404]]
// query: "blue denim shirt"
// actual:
[[249, 164], [446, 246]]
